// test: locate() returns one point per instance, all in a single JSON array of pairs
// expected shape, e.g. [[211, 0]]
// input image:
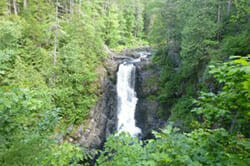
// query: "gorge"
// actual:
[[125, 105]]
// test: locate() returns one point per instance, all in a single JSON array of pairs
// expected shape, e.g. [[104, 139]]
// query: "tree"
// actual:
[[15, 6], [55, 40]]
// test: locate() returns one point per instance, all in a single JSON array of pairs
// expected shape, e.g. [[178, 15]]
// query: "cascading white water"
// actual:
[[127, 99]]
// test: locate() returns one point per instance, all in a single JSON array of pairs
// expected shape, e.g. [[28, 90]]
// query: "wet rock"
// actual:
[[103, 116], [147, 86], [148, 79]]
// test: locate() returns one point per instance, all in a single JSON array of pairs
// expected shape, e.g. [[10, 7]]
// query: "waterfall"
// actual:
[[127, 99]]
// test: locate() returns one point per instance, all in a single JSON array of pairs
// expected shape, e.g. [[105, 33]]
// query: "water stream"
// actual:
[[127, 99]]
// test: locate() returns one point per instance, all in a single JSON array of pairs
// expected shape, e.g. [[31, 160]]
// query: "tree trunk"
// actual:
[[9, 6], [136, 14], [24, 4], [15, 7], [219, 14], [55, 42], [219, 20], [136, 21], [71, 4], [229, 4], [55, 39], [79, 8]]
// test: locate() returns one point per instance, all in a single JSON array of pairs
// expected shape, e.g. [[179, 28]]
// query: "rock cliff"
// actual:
[[147, 86], [103, 118]]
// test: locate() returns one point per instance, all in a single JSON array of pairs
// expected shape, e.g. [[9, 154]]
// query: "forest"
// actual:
[[50, 52]]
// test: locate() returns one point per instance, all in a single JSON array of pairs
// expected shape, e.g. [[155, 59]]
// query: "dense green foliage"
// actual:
[[49, 53], [200, 147], [192, 35], [229, 107]]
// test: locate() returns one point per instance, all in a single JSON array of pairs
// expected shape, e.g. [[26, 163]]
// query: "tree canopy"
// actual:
[[50, 51]]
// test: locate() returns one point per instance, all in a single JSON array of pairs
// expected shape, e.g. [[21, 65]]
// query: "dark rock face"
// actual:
[[103, 119], [103, 116], [147, 85], [147, 79]]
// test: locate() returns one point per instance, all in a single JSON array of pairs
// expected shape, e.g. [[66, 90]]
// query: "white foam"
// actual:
[[127, 99]]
